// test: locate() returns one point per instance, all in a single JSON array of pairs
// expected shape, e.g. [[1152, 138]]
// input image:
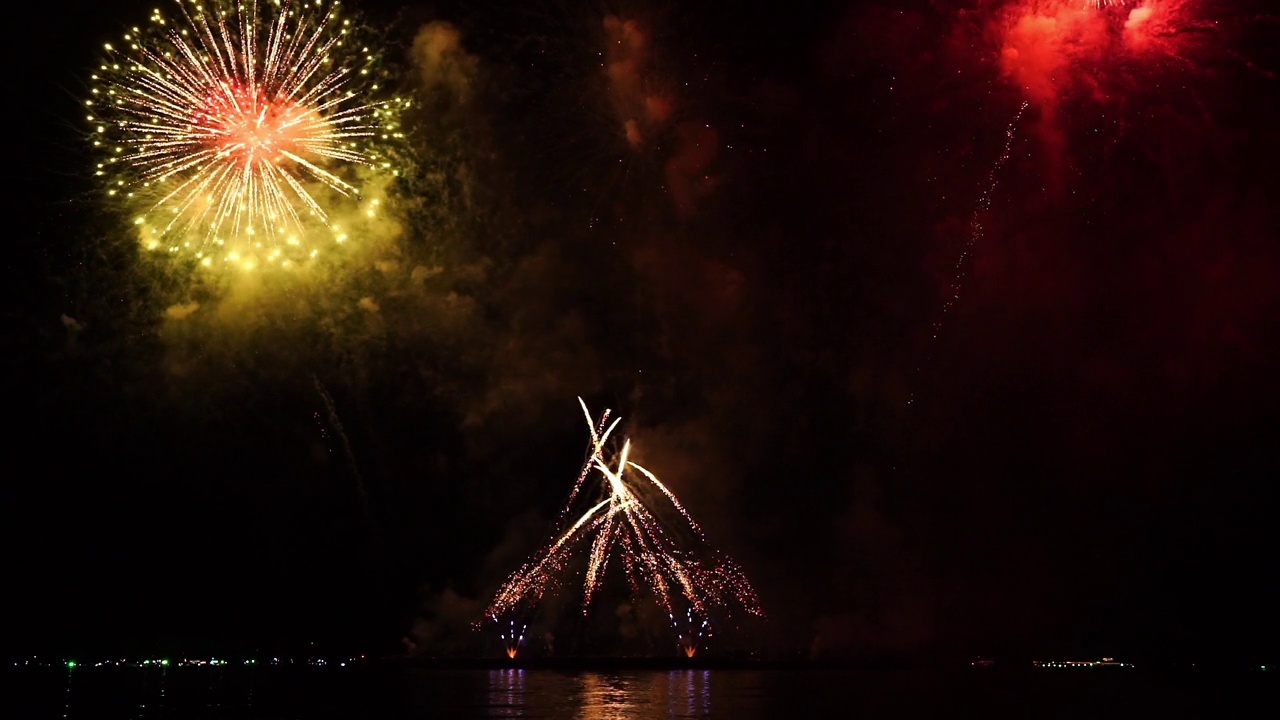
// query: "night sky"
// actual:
[[738, 226]]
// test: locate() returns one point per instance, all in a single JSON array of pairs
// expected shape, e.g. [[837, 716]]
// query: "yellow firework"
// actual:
[[232, 126]]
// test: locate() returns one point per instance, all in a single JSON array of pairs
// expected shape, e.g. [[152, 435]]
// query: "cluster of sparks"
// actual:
[[230, 127], [621, 523], [512, 639], [690, 633], [1055, 49]]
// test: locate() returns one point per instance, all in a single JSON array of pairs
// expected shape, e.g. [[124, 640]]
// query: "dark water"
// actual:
[[321, 693]]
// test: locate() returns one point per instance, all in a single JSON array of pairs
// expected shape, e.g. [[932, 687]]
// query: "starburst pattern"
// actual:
[[236, 121]]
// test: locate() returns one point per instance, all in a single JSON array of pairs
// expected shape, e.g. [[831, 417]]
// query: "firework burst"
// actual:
[[233, 127], [663, 552]]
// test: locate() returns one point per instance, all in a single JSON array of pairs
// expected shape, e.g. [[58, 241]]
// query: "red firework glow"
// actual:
[[1052, 47], [247, 127], [1060, 52], [1062, 55]]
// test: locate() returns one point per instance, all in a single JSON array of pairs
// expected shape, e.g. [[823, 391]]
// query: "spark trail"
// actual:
[[336, 424], [976, 228], [630, 514]]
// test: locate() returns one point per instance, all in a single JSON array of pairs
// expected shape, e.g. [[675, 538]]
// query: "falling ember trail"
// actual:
[[976, 228], [350, 457]]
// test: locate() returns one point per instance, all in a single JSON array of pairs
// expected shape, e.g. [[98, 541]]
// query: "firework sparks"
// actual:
[[976, 229], [230, 127], [690, 633], [649, 542], [1052, 48], [512, 639]]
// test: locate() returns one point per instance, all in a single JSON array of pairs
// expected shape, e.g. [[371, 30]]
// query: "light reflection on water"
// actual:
[[613, 698], [552, 694], [66, 696], [506, 692], [151, 698], [597, 695], [150, 694]]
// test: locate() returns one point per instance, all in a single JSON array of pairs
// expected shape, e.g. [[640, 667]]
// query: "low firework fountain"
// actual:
[[618, 508], [689, 633], [512, 639]]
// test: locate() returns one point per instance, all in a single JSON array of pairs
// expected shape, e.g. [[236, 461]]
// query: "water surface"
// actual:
[[264, 693]]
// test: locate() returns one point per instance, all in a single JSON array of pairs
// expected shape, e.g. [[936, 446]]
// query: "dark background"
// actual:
[[1082, 462]]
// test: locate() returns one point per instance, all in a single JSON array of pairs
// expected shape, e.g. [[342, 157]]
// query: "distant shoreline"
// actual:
[[653, 663]]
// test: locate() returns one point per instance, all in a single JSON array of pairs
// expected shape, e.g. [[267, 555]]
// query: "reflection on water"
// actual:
[[622, 696], [689, 691], [596, 695], [66, 696], [506, 692], [610, 697], [459, 694], [151, 699]]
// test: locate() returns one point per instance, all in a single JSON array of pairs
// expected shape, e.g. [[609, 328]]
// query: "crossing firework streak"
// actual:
[[631, 514]]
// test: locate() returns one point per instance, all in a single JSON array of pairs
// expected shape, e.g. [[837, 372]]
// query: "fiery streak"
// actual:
[[224, 122], [621, 523]]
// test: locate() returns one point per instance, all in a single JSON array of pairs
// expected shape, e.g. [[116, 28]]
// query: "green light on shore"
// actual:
[[71, 663], [164, 662]]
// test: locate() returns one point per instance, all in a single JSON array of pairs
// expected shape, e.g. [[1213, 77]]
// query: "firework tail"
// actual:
[[976, 232], [336, 425]]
